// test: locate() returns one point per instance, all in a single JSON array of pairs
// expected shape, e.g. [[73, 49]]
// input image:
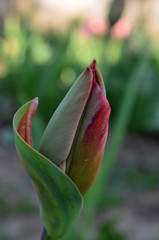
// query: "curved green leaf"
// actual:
[[60, 199]]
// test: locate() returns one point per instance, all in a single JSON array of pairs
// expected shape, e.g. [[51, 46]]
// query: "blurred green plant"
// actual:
[[34, 64], [107, 232]]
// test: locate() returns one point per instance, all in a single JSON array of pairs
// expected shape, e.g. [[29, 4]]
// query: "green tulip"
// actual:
[[71, 149]]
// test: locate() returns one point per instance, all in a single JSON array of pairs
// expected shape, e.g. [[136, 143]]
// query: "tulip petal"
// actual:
[[98, 76], [24, 125], [60, 132], [60, 199], [87, 152]]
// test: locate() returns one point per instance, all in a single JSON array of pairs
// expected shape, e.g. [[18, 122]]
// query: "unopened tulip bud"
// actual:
[[73, 142], [76, 134]]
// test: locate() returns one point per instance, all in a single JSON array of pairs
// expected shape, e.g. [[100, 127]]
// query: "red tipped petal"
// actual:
[[97, 75], [92, 65], [88, 152], [24, 125]]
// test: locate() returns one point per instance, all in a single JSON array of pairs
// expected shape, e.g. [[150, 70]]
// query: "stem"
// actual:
[[44, 235]]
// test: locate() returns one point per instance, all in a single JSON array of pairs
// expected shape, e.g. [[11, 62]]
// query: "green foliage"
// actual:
[[107, 232], [45, 65], [142, 179], [109, 199], [23, 206]]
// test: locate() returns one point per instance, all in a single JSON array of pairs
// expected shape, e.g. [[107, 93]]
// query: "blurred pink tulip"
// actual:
[[121, 29], [95, 26]]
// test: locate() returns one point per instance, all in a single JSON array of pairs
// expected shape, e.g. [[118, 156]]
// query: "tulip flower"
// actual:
[[71, 149]]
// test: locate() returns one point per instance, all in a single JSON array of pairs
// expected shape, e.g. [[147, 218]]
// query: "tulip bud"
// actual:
[[76, 134], [115, 11], [74, 140]]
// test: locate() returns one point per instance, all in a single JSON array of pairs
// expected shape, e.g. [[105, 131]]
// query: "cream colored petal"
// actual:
[[59, 134]]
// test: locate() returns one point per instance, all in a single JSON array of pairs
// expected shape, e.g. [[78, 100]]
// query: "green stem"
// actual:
[[44, 235]]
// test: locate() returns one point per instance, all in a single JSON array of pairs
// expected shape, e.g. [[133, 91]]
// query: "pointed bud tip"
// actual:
[[88, 69], [35, 100], [93, 64]]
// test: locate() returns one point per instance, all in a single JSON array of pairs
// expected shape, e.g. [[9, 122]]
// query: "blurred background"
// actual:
[[44, 46]]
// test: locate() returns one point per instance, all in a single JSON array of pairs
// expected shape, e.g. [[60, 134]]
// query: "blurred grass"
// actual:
[[45, 65], [107, 231], [22, 206]]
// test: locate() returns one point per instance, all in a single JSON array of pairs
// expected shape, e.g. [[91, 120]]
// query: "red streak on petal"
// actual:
[[96, 132], [93, 144], [92, 67], [24, 125], [88, 154]]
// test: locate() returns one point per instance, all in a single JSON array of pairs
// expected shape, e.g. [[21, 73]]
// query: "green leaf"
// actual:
[[60, 199]]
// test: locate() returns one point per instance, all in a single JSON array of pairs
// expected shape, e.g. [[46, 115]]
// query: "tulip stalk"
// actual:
[[43, 235], [70, 152]]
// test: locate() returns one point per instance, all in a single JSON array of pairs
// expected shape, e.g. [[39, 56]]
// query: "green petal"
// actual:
[[60, 132], [60, 199]]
